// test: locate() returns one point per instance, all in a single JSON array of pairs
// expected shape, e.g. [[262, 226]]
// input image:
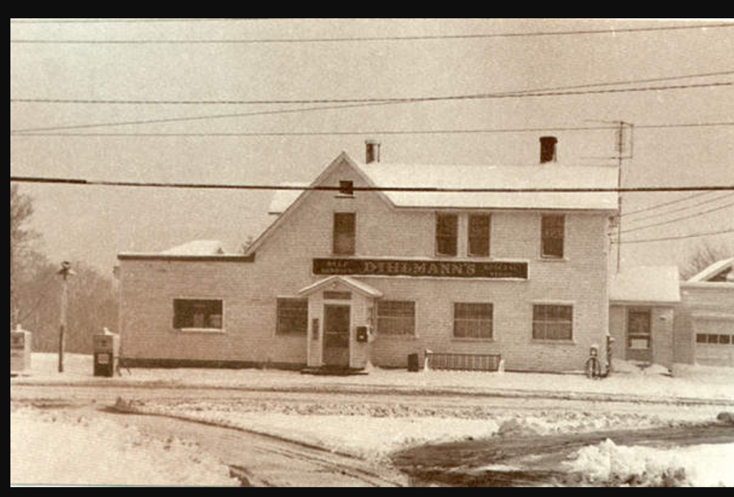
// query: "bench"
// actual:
[[489, 363]]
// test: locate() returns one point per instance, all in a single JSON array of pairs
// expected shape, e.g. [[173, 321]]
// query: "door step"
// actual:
[[334, 371]]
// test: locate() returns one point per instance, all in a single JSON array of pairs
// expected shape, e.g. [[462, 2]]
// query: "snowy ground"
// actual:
[[60, 449], [688, 382], [373, 432]]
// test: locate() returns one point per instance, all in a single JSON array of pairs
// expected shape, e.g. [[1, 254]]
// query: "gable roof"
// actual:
[[547, 176], [715, 270], [660, 285], [348, 281]]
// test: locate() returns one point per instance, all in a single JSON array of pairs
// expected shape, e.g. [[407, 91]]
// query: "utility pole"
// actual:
[[621, 157], [64, 272]]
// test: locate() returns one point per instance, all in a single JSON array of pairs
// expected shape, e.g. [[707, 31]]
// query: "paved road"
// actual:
[[265, 461]]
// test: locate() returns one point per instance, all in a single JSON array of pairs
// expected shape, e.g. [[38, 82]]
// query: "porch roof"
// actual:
[[354, 284], [659, 285]]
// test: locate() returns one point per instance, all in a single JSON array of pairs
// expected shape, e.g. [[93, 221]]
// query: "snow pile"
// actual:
[[698, 466], [51, 449]]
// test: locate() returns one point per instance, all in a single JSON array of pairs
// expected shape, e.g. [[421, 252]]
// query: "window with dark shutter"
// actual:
[[554, 237], [447, 234]]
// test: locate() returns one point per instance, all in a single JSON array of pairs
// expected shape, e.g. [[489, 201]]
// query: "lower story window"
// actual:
[[715, 339], [396, 318], [198, 314], [473, 321], [553, 322], [292, 317]]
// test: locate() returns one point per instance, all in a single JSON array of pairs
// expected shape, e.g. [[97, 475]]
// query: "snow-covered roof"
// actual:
[[197, 248], [726, 266], [284, 198], [548, 176], [348, 281], [646, 284]]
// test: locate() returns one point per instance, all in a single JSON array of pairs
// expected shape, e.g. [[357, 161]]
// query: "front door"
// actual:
[[337, 323], [639, 336]]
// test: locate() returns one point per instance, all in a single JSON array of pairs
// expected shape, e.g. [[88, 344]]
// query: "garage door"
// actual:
[[715, 349]]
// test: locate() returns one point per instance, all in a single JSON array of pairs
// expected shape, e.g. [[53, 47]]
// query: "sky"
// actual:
[[95, 224]]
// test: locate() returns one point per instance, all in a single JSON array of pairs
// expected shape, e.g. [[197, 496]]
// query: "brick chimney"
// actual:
[[373, 151], [548, 149]]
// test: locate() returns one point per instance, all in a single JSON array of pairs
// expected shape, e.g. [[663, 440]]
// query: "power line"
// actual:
[[672, 238], [341, 101], [666, 204], [126, 184], [694, 216], [528, 94], [140, 21], [681, 209], [284, 134], [361, 39]]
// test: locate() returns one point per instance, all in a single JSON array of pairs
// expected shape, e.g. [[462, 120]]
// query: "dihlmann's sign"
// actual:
[[418, 269]]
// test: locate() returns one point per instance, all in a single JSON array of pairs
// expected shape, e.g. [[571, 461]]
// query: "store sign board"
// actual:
[[421, 269]]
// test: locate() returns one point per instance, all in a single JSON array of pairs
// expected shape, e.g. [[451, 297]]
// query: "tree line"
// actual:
[[35, 289]]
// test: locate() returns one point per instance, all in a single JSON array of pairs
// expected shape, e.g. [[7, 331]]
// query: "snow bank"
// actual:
[[372, 432], [698, 466], [50, 449]]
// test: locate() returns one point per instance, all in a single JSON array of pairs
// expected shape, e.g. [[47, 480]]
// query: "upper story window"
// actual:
[[480, 227], [345, 234], [553, 237], [198, 314], [447, 235]]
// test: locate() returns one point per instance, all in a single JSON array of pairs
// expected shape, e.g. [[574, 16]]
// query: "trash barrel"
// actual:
[[414, 363]]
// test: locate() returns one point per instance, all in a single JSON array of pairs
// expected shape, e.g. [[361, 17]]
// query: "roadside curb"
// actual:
[[337, 388]]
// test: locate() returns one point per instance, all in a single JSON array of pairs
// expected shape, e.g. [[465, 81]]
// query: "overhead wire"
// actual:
[[507, 95], [362, 39], [676, 220]]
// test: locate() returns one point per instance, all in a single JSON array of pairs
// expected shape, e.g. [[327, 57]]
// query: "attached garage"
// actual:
[[714, 340]]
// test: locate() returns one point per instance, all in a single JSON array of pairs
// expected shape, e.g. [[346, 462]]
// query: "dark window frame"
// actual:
[[390, 312], [553, 236], [549, 318], [295, 322], [344, 234], [465, 314], [447, 237], [483, 237], [210, 314]]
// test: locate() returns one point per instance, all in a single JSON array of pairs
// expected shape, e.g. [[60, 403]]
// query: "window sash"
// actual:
[[447, 234], [345, 234], [198, 314], [396, 318], [292, 317], [480, 227], [474, 321], [553, 236], [553, 322]]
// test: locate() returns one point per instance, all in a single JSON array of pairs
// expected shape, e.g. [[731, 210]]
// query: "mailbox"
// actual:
[[363, 334], [20, 351], [106, 355]]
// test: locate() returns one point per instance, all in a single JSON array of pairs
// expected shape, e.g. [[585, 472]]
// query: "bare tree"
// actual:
[[21, 210], [704, 256]]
